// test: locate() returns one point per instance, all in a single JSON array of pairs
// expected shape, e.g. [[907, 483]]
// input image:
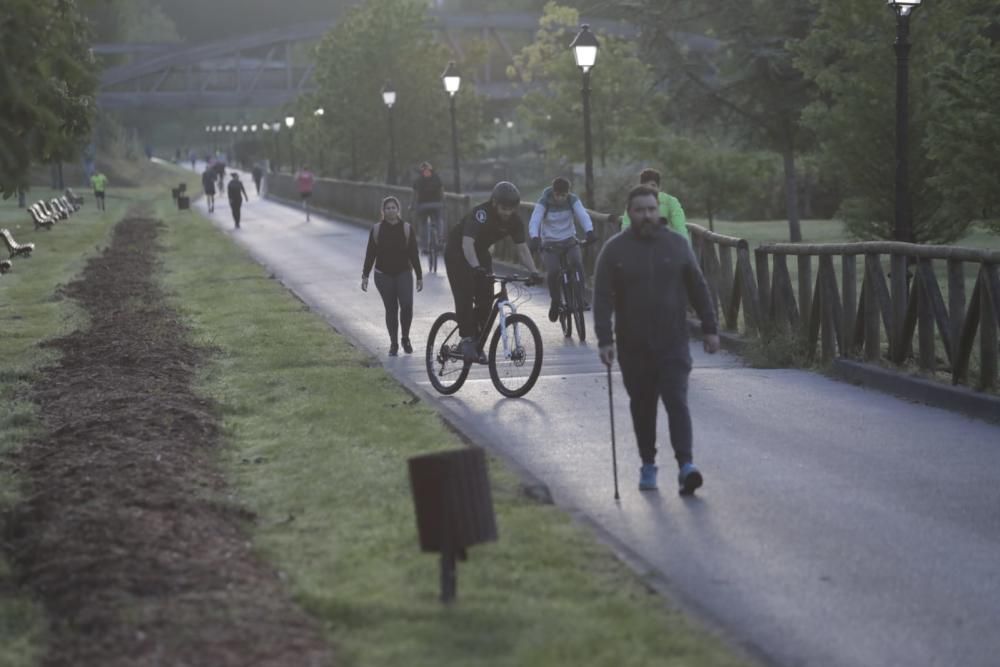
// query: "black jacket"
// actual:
[[647, 285]]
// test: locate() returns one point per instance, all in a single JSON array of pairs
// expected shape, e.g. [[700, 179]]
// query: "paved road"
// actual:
[[837, 527]]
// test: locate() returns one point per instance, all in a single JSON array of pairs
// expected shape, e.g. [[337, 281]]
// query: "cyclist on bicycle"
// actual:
[[552, 225], [428, 200], [670, 206], [468, 260]]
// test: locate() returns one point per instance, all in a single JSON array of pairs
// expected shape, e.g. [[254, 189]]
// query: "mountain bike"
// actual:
[[515, 354], [573, 304], [432, 230]]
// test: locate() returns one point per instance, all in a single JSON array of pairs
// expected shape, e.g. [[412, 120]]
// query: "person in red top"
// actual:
[[304, 183]]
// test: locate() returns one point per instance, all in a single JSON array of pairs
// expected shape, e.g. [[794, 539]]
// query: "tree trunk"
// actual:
[[791, 194]]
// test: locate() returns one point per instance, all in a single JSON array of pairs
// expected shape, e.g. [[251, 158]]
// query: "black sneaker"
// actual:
[[394, 350], [554, 311], [406, 346]]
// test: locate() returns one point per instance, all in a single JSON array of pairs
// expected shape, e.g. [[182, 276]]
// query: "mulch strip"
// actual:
[[123, 534]]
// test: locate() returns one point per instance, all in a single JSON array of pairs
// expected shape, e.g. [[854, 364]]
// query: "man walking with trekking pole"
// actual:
[[645, 277]]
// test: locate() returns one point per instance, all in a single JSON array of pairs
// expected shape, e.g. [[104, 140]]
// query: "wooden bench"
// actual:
[[40, 217], [13, 247], [68, 204]]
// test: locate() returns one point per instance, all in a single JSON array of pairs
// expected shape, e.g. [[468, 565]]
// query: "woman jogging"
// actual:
[[392, 251]]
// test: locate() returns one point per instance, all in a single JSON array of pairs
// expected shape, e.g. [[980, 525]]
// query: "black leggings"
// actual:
[[397, 295], [235, 205]]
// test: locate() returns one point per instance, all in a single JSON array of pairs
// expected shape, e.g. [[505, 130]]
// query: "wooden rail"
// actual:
[[893, 295], [899, 301]]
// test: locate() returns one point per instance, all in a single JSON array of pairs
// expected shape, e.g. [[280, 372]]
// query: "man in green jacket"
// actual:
[[670, 206]]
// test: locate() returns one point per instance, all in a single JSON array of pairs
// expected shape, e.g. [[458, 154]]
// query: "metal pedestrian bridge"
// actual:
[[270, 69]]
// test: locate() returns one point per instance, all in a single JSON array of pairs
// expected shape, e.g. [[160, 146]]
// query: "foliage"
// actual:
[[379, 41], [849, 55], [47, 85], [741, 74], [625, 108], [710, 176], [963, 128]]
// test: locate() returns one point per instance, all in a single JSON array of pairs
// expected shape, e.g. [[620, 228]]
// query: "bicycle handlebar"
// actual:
[[580, 242], [527, 280]]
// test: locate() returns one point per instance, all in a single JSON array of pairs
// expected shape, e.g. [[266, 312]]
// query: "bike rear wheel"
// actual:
[[432, 250], [515, 373], [565, 319], [576, 306], [445, 367]]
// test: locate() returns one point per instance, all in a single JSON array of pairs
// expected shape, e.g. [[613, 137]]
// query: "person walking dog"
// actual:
[[392, 252], [646, 276]]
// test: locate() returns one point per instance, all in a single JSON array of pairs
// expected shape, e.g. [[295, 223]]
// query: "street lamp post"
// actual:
[[389, 98], [452, 82], [903, 223], [319, 113], [584, 47], [290, 123], [275, 128]]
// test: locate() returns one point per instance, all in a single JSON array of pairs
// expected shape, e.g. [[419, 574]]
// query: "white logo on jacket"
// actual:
[[481, 216]]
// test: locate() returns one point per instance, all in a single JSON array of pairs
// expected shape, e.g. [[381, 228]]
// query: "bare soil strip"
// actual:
[[122, 533]]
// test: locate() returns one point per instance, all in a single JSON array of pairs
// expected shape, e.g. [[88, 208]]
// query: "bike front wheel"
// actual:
[[565, 319], [445, 367], [514, 366]]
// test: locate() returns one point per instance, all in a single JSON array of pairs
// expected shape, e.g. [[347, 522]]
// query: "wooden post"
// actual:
[[726, 279], [873, 333], [925, 316], [805, 286], [897, 346], [956, 306], [987, 332], [849, 289], [763, 285]]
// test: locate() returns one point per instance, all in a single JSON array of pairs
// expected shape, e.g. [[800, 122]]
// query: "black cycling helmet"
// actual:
[[506, 194]]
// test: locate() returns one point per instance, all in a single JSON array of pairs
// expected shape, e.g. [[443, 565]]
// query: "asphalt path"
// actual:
[[837, 526]]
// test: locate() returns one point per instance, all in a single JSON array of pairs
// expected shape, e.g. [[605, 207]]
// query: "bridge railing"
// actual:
[[874, 311]]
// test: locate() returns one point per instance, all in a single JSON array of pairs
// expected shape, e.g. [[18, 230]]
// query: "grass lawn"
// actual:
[[317, 441], [31, 311]]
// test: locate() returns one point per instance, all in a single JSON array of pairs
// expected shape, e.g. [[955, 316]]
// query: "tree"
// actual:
[[385, 40], [748, 79], [710, 176], [963, 128], [849, 56], [47, 86], [625, 108]]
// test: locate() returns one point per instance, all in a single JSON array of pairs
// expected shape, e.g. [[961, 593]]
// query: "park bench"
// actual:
[[13, 247], [44, 207], [74, 199], [57, 206], [53, 211], [40, 217], [68, 204]]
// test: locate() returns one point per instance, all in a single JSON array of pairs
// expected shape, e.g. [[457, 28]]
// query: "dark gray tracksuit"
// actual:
[[647, 285]]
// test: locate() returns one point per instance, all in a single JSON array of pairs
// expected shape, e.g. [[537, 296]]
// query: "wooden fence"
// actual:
[[846, 309]]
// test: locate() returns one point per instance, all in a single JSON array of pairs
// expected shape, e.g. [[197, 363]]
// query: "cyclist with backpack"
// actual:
[[469, 263], [392, 252], [552, 226]]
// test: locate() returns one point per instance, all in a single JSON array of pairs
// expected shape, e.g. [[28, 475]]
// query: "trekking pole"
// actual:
[[614, 454]]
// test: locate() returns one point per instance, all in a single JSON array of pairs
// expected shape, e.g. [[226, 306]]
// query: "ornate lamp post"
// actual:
[[903, 223], [290, 123], [389, 99], [319, 113], [452, 82], [584, 47]]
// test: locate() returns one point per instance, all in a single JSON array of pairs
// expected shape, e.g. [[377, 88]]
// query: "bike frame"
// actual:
[[502, 309]]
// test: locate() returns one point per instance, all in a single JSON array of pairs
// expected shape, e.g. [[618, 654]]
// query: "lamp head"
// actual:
[[584, 47]]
